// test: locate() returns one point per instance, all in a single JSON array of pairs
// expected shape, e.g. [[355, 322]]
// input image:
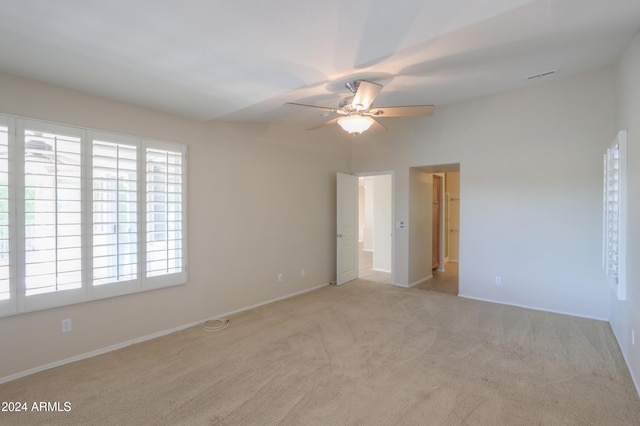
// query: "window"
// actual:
[[75, 210], [614, 214], [5, 271], [164, 212], [52, 212], [114, 171]]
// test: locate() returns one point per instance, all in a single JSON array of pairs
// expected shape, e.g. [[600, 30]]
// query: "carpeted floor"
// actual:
[[358, 354]]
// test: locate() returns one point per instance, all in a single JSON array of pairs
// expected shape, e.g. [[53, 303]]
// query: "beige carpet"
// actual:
[[358, 354]]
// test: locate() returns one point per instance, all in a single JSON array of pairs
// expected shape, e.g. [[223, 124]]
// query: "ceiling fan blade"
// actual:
[[364, 96], [402, 111], [376, 128], [326, 123], [311, 106]]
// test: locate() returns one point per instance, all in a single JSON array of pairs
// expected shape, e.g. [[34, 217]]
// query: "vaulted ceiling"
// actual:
[[241, 60]]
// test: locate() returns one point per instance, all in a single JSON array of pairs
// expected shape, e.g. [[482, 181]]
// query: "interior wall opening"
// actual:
[[441, 209], [375, 228]]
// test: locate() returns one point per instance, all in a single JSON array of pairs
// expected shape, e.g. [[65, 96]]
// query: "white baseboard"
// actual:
[[381, 270], [535, 308], [144, 338], [94, 353], [400, 285], [420, 281], [626, 361], [257, 305]]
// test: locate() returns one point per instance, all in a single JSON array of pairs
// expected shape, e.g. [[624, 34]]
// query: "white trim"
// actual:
[[443, 232], [267, 302], [115, 287], [400, 285], [49, 299], [381, 270], [177, 278], [392, 173], [8, 306], [621, 288], [626, 360], [141, 339], [617, 261], [94, 353], [420, 281], [535, 308]]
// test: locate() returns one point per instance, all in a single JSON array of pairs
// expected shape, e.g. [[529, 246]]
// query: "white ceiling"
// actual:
[[242, 59]]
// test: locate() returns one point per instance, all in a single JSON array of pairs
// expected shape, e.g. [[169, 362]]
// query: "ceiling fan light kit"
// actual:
[[355, 124], [356, 111]]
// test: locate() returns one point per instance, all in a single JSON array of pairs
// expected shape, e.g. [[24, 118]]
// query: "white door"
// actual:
[[347, 228]]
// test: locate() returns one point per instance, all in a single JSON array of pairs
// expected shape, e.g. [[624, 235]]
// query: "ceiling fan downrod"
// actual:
[[352, 86]]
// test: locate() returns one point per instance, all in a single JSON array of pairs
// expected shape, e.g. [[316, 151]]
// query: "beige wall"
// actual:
[[261, 200], [625, 315], [531, 188]]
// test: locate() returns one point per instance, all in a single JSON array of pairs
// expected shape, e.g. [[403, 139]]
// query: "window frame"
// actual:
[[618, 281], [116, 288], [10, 306], [167, 280], [18, 302], [57, 298]]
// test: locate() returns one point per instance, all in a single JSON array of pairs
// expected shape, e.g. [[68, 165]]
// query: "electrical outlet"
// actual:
[[280, 277], [66, 325], [633, 336], [498, 280], [302, 272]]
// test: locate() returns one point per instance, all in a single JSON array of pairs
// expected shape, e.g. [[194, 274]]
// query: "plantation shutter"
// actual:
[[165, 210], [114, 198], [52, 213], [87, 214], [6, 278], [614, 229], [612, 211]]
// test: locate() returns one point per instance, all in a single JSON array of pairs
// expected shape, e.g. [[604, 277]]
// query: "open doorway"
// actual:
[[445, 276], [440, 208], [375, 228]]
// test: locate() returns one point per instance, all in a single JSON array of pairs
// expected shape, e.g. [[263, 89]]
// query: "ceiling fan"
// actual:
[[356, 111]]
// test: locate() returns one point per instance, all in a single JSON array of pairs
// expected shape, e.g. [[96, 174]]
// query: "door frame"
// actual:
[[393, 214], [436, 240], [442, 169], [442, 220]]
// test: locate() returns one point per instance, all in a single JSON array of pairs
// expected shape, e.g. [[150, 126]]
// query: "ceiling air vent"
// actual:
[[542, 74]]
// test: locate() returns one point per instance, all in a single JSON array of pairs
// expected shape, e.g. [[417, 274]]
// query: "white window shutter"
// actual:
[[165, 214], [86, 214], [615, 209], [51, 216], [114, 170], [7, 263]]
